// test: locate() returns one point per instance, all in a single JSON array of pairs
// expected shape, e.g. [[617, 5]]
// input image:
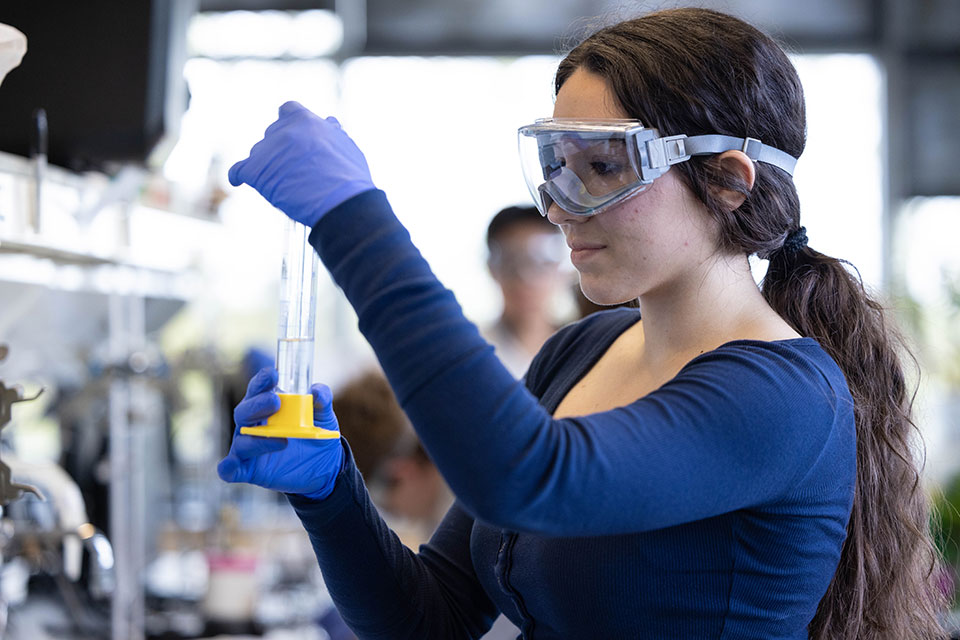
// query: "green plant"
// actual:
[[946, 528]]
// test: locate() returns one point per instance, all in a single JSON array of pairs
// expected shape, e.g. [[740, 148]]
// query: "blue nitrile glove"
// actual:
[[293, 465], [305, 165]]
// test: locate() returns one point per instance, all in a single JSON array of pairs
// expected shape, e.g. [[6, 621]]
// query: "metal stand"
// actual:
[[9, 490], [127, 491]]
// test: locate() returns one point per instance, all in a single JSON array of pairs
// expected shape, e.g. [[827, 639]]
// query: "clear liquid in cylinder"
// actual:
[[295, 365], [298, 304]]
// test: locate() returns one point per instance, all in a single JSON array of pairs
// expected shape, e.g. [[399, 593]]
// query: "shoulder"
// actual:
[[786, 381], [795, 359], [769, 405], [577, 343]]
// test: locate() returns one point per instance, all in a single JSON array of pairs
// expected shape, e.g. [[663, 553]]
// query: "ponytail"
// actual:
[[883, 587]]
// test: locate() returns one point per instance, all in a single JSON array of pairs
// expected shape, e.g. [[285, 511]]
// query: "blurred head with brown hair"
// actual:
[[401, 477]]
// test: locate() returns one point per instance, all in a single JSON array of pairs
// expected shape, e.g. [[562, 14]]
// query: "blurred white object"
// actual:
[[13, 44], [13, 581], [63, 492], [179, 575], [232, 588]]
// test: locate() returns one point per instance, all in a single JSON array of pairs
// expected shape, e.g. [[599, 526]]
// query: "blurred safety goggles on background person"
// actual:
[[585, 166], [538, 256]]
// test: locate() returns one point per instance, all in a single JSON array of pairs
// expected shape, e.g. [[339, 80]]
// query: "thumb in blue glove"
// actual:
[[308, 467], [305, 165]]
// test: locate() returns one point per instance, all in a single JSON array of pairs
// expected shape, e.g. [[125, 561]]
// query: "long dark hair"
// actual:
[[697, 71]]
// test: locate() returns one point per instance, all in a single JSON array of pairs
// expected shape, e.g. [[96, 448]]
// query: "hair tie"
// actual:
[[795, 242]]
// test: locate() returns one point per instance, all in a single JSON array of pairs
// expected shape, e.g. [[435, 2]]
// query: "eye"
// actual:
[[606, 168]]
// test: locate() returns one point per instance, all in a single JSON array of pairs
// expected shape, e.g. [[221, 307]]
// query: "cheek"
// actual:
[[634, 233], [661, 224]]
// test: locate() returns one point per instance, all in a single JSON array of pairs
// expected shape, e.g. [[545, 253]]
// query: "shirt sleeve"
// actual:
[[381, 588], [738, 427]]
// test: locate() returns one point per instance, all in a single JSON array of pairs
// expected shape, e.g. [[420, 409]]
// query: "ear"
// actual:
[[740, 165]]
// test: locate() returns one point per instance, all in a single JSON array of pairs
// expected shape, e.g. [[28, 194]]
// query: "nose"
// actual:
[[559, 217]]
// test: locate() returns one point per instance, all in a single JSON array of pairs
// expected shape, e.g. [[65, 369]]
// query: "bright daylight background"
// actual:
[[439, 137]]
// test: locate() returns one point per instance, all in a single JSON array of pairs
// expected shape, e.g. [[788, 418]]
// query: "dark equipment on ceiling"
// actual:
[[99, 71]]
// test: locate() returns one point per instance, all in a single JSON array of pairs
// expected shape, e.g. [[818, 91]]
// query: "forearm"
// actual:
[[381, 588]]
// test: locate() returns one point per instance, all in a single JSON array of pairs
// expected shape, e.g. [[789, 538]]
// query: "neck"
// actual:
[[530, 330], [716, 303]]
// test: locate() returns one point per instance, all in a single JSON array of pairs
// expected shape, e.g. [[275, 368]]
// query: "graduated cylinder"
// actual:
[[295, 336]]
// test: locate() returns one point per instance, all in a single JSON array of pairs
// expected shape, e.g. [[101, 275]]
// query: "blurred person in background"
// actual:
[[737, 465], [524, 252], [401, 478]]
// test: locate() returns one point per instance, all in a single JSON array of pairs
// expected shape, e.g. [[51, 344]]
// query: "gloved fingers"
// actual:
[[322, 396], [246, 447], [249, 169], [228, 469], [294, 110], [323, 415], [290, 108], [264, 380], [232, 469], [254, 410], [236, 173], [275, 127]]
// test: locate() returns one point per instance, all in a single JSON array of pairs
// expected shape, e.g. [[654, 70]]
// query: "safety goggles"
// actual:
[[586, 166], [539, 255]]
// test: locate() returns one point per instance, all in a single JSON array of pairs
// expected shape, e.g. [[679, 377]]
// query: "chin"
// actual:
[[604, 295]]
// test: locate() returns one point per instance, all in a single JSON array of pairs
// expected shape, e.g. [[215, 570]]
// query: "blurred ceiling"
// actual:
[[916, 41], [537, 26]]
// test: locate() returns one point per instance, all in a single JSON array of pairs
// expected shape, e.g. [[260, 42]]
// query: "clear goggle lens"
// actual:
[[582, 168]]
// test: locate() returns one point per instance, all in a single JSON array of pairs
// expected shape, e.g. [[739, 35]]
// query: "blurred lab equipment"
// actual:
[[71, 71], [70, 562], [9, 490], [48, 534], [13, 44]]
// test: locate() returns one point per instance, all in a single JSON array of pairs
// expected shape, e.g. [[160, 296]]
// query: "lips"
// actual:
[[581, 252], [584, 246]]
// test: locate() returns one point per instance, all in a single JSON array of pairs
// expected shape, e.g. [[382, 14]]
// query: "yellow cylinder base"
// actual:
[[293, 420]]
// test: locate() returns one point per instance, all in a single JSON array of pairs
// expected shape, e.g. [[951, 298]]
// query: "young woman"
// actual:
[[735, 465]]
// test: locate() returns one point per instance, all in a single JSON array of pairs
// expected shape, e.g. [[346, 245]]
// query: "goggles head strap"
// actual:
[[673, 149]]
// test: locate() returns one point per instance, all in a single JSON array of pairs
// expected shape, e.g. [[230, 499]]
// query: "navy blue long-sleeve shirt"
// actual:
[[713, 507]]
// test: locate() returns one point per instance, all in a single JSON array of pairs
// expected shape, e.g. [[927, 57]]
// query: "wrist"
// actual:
[[331, 483], [343, 195]]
